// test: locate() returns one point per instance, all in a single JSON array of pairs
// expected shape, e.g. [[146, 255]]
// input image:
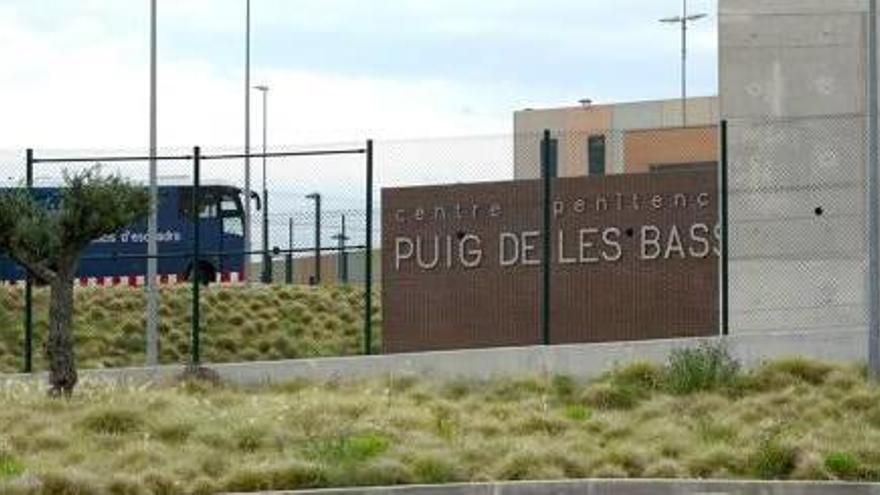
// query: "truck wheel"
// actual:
[[206, 274]]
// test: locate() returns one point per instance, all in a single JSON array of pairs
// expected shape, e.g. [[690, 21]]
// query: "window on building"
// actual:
[[554, 157], [596, 155]]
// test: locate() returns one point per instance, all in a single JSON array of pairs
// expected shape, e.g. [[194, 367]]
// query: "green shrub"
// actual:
[[706, 368], [372, 431], [611, 396], [445, 421], [812, 372], [379, 472], [577, 412], [436, 469], [861, 400], [781, 374], [175, 433], [249, 479], [457, 389], [20, 487], [249, 438], [260, 321], [527, 464], [508, 390], [536, 423], [114, 422], [161, 484], [772, 460], [67, 483], [630, 458], [710, 430], [347, 449], [609, 471], [299, 475], [710, 462], [367, 445], [842, 464], [664, 469], [564, 387], [204, 486], [10, 467], [641, 375], [119, 485]]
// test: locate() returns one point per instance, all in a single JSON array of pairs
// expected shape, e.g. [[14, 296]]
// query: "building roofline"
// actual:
[[617, 104]]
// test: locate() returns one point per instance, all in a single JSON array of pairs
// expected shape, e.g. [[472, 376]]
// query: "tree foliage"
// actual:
[[48, 237], [91, 204]]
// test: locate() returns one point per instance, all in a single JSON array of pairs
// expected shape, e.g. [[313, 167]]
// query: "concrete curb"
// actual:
[[582, 360], [614, 487]]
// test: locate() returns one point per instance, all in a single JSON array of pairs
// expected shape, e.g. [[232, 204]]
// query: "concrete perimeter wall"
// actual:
[[793, 89], [617, 487], [583, 360]]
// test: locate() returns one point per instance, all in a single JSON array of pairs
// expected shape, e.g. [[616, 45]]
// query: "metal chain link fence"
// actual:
[[798, 224], [545, 237]]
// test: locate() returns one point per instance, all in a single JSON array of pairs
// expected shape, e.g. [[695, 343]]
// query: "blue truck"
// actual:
[[120, 258]]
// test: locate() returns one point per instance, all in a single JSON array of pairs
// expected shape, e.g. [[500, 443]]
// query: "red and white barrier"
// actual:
[[228, 278], [140, 281]]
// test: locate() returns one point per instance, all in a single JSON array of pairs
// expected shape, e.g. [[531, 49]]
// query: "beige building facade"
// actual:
[[617, 138]]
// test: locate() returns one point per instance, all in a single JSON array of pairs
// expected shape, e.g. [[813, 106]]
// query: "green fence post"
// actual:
[[546, 251], [725, 235]]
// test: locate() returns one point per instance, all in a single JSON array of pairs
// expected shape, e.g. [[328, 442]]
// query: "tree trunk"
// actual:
[[59, 344]]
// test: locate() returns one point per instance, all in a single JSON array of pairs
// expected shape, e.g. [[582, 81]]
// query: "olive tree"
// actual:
[[47, 238]]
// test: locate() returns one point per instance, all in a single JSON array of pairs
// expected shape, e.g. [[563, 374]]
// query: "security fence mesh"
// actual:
[[265, 300], [545, 237], [110, 303], [798, 224], [306, 261], [550, 238]]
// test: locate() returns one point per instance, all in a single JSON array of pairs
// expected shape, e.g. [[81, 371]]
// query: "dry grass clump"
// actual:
[[789, 419], [238, 324]]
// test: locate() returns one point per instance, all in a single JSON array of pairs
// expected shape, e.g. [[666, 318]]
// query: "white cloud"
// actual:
[[77, 75], [82, 86]]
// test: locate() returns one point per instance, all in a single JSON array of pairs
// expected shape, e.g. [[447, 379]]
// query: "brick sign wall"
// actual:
[[633, 257]]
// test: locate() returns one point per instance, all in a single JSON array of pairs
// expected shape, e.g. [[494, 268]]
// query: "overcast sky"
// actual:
[[75, 72]]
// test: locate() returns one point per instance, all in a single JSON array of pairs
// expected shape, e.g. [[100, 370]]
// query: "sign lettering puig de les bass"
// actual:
[[632, 256], [591, 244]]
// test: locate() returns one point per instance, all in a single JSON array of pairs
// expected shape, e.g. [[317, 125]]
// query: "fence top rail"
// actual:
[[229, 156], [282, 154], [110, 159]]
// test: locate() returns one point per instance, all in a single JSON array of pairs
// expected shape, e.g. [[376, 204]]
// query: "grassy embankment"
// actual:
[[239, 324], [698, 416]]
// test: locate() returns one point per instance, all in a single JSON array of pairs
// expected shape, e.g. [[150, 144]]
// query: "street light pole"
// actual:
[[247, 144], [342, 256], [683, 20], [288, 261], [152, 337], [317, 198], [267, 269]]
